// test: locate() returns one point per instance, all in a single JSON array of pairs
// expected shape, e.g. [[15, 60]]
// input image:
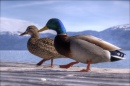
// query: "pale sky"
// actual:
[[76, 15]]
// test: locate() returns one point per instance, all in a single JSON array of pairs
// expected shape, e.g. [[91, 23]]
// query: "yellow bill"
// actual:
[[42, 29]]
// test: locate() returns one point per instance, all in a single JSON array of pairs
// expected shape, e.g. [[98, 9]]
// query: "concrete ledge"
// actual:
[[27, 74]]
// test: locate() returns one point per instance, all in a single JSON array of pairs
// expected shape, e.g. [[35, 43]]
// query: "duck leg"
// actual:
[[39, 63], [51, 63], [87, 68], [68, 65]]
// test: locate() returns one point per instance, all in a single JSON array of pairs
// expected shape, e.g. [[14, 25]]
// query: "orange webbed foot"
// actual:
[[65, 66], [85, 70], [51, 66], [68, 65], [40, 63]]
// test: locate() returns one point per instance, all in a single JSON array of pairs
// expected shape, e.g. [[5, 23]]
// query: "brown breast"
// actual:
[[62, 45]]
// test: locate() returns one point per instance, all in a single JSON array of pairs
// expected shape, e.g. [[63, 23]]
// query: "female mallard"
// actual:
[[42, 47], [82, 48]]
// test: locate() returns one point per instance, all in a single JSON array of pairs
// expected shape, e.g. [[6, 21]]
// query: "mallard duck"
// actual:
[[42, 47], [82, 48]]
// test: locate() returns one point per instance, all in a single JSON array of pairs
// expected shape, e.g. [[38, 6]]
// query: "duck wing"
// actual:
[[47, 44], [97, 41]]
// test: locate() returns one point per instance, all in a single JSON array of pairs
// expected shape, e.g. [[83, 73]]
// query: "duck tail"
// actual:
[[117, 55]]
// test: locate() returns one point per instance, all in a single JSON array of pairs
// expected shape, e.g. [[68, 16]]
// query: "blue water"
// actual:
[[25, 56]]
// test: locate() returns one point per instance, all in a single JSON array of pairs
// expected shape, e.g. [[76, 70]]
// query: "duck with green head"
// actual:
[[82, 48]]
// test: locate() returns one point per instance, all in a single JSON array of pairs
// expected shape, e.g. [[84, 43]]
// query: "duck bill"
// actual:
[[23, 34], [42, 29]]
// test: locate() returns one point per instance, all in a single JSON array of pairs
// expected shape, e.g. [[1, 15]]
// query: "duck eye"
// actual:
[[27, 29]]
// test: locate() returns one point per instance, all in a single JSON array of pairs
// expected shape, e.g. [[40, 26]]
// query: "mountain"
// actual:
[[117, 35]]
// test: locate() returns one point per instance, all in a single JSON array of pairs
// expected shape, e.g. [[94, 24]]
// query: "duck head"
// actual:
[[54, 24], [31, 30]]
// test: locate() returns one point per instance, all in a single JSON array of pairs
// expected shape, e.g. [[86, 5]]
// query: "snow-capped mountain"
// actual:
[[117, 35], [123, 27]]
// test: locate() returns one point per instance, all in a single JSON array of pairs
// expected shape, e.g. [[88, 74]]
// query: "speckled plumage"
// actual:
[[42, 47]]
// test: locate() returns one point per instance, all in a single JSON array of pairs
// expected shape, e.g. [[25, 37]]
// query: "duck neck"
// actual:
[[62, 45], [60, 28], [62, 36], [61, 31], [35, 36]]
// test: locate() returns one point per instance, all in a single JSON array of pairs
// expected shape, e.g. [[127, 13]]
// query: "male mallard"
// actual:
[[42, 47], [82, 48]]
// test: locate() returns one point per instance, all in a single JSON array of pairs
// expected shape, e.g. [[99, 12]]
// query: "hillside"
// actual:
[[117, 35]]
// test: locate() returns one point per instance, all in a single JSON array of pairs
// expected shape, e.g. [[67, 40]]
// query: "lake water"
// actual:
[[25, 56]]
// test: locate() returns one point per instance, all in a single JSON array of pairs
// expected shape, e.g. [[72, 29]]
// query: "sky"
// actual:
[[76, 15]]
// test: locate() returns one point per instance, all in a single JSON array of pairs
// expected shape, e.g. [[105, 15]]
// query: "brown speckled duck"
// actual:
[[82, 48], [42, 47]]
